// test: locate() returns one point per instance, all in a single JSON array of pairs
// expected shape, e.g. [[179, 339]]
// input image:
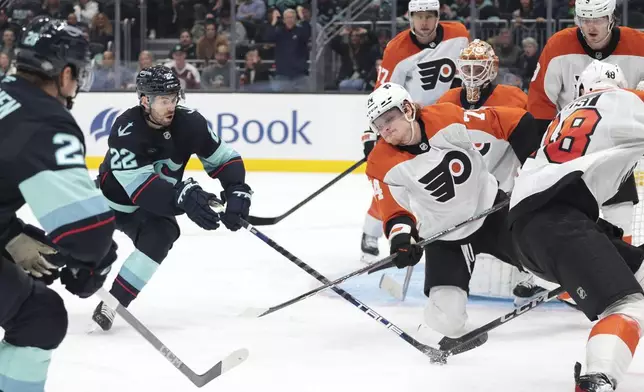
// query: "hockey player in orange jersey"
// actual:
[[426, 177], [423, 60], [478, 67], [589, 149], [566, 55]]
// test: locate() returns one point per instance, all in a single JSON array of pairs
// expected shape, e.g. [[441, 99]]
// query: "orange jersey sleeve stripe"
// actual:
[[398, 49], [625, 328]]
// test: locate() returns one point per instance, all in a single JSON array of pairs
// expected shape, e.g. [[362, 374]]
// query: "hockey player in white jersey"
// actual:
[[566, 54], [427, 176], [423, 60], [589, 149]]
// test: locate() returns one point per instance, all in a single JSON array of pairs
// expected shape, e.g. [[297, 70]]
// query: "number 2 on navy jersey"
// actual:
[[570, 140]]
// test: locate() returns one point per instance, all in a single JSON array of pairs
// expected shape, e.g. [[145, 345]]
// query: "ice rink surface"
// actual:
[[320, 344]]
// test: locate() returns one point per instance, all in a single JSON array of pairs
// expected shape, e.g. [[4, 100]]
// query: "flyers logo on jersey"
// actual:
[[482, 148], [433, 71], [441, 181]]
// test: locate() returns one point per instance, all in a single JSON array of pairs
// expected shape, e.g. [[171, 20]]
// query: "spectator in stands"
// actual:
[[72, 19], [283, 5], [22, 11], [291, 50], [108, 75], [505, 49], [373, 76], [54, 9], [256, 75], [187, 73], [8, 45], [217, 75], [85, 11], [146, 59], [528, 60], [5, 65], [356, 57], [208, 44], [225, 23], [187, 45], [251, 11], [101, 31], [383, 38], [183, 14], [527, 10], [327, 9], [4, 20]]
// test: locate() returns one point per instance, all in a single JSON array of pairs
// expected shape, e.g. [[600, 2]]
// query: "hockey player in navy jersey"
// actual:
[[42, 154], [141, 176]]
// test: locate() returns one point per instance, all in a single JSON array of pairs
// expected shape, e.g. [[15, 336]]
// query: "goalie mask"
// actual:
[[478, 66]]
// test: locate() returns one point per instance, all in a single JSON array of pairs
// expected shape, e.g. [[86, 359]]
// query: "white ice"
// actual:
[[320, 344]]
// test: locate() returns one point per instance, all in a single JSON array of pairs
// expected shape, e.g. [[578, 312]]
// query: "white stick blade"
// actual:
[[234, 359], [253, 312], [389, 284]]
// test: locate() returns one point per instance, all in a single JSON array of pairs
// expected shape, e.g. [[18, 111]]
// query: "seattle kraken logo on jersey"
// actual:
[[441, 181], [433, 71]]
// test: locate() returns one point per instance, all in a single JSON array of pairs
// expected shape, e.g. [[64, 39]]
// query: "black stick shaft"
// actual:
[[263, 221], [431, 352]]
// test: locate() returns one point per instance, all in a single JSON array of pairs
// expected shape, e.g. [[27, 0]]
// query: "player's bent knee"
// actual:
[[159, 240], [631, 306], [445, 310], [41, 322]]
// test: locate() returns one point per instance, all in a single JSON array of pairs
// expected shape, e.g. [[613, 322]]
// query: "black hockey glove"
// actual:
[[369, 139], [83, 280], [403, 242], [195, 202], [237, 199]]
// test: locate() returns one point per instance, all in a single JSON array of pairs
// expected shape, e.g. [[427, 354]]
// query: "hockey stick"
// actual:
[[389, 284], [259, 221], [450, 344], [231, 361], [385, 262], [434, 354]]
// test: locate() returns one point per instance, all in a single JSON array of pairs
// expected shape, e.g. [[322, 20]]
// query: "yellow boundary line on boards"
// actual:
[[269, 165]]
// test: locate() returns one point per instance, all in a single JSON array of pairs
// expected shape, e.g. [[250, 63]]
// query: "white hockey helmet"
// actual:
[[384, 98], [600, 75], [420, 6], [423, 5], [592, 9]]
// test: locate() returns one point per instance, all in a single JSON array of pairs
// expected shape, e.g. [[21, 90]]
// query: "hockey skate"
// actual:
[[369, 246], [593, 382], [526, 291], [104, 316]]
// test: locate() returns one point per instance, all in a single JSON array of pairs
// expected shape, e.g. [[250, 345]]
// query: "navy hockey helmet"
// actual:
[[46, 46], [158, 80]]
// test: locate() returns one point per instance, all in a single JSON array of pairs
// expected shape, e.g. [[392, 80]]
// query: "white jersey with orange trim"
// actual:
[[443, 180], [598, 137], [497, 154], [426, 71], [564, 58]]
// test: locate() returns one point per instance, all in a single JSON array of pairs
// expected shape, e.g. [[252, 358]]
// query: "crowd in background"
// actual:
[[272, 39]]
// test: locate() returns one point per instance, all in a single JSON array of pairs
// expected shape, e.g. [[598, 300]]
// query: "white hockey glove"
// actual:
[[26, 250], [640, 85]]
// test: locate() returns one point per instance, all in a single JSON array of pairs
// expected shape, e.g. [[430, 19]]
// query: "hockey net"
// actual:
[[492, 278]]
